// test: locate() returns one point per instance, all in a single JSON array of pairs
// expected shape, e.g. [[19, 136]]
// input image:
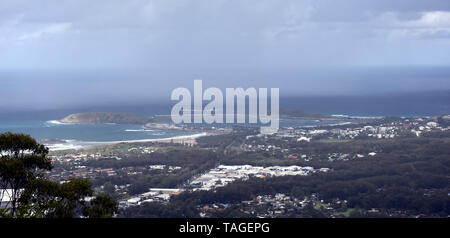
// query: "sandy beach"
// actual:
[[71, 144], [176, 138]]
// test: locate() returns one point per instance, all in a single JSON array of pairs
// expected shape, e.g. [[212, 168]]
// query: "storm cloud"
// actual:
[[175, 41]]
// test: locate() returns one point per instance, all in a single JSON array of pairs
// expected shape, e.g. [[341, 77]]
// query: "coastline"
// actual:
[[76, 145], [185, 137]]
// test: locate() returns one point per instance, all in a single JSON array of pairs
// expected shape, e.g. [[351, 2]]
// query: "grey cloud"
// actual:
[[144, 33], [176, 40]]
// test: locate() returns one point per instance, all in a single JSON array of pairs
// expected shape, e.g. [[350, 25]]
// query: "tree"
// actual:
[[103, 206], [32, 195], [22, 160], [46, 198], [109, 188]]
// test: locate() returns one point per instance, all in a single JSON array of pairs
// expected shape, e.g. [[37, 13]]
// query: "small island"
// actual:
[[153, 123], [105, 117]]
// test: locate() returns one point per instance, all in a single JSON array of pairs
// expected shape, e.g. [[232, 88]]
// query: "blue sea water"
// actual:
[[41, 124], [52, 130], [74, 136], [412, 104], [46, 130], [58, 136]]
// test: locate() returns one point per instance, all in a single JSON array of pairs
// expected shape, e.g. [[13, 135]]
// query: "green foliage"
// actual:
[[22, 159], [192, 162], [103, 206], [56, 200], [175, 209], [224, 142], [32, 195], [407, 177]]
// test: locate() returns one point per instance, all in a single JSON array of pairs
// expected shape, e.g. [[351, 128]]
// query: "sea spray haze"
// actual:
[[213, 111]]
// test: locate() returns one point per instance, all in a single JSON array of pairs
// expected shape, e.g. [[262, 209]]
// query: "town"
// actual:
[[161, 173]]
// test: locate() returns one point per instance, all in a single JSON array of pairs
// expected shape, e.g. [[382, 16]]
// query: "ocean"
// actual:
[[43, 126], [53, 130], [58, 136], [411, 104]]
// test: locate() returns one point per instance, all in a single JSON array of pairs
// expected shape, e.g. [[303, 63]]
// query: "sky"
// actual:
[[61, 52]]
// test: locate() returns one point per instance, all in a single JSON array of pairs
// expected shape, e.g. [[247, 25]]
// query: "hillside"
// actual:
[[105, 117]]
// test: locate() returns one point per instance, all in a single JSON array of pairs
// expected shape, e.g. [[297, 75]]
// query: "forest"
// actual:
[[407, 177]]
